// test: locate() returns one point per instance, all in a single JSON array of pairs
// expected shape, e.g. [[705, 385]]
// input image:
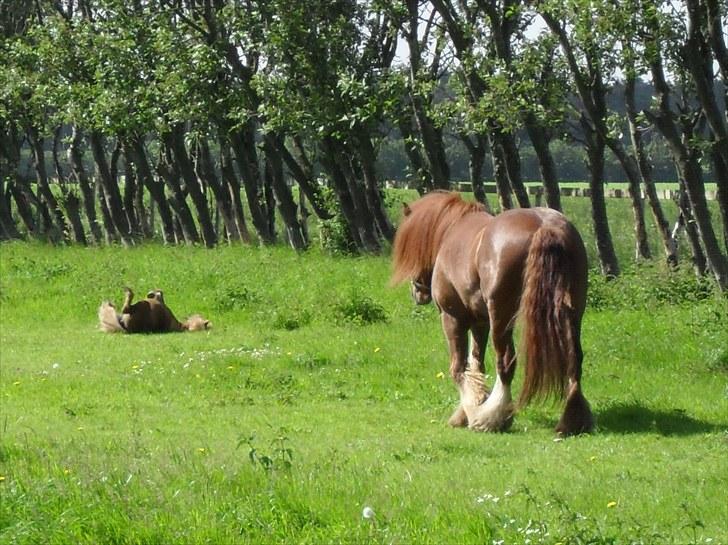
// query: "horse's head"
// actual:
[[421, 292], [196, 323]]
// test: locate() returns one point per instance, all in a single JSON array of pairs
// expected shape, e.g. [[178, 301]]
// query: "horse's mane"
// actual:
[[421, 231]]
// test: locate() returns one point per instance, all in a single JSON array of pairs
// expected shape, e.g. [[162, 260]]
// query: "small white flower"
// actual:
[[367, 513]]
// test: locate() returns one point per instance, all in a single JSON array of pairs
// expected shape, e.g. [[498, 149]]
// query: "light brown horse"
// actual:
[[150, 315], [485, 271]]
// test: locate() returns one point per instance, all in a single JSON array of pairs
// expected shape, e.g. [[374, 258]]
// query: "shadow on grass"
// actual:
[[634, 418]]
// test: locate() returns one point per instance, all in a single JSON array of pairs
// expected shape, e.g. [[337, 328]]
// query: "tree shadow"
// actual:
[[628, 418]]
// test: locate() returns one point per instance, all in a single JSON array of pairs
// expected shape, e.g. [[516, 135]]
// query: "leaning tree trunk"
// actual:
[[503, 186], [174, 140], [233, 187], [185, 223], [110, 190], [547, 167], [69, 200], [374, 197], [605, 248], [9, 158], [422, 176], [687, 162], [721, 174], [135, 151], [75, 156], [205, 169], [645, 171], [283, 195], [476, 162], [365, 221], [506, 141], [303, 172], [243, 146], [685, 221], [58, 226]]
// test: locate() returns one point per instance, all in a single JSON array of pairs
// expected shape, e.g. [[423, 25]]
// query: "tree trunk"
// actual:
[[135, 151], [110, 190], [721, 174], [645, 171], [283, 195], [512, 162], [24, 201], [75, 156], [58, 226], [69, 200], [686, 158], [547, 167], [422, 176], [374, 197], [174, 140], [302, 172], [502, 184], [358, 221], [243, 145], [233, 187], [205, 169], [9, 159], [605, 247], [185, 225], [131, 187], [476, 161]]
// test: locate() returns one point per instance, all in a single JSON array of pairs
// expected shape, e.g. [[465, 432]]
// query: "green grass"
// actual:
[[321, 391]]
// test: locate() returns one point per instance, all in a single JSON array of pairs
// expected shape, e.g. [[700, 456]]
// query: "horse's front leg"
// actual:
[[476, 367], [471, 392], [496, 414]]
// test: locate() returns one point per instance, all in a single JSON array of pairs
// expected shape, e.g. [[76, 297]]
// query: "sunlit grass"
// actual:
[[294, 412]]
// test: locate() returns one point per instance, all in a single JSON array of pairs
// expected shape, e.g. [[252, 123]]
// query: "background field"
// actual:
[[322, 391]]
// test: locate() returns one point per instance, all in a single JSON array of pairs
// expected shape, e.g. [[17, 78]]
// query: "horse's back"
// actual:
[[506, 242]]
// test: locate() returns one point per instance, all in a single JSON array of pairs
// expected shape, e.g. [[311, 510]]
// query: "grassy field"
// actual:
[[321, 392]]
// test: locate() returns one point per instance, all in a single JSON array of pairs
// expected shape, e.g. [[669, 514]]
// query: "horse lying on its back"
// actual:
[[149, 315]]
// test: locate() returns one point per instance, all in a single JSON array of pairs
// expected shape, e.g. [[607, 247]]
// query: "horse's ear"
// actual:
[[406, 210]]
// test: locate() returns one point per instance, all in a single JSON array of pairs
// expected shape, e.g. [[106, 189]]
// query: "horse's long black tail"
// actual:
[[550, 339]]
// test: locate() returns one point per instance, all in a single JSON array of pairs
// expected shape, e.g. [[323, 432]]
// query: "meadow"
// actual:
[[315, 410]]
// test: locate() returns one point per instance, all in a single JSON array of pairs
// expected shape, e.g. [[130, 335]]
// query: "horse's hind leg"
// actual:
[[496, 414], [128, 296], [577, 417]]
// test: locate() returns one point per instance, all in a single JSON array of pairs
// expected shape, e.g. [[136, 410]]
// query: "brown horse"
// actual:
[[150, 315], [485, 271]]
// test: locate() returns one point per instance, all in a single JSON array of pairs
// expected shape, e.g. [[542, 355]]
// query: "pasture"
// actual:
[[320, 392]]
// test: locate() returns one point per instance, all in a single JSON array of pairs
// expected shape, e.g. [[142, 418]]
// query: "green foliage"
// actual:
[[235, 297], [360, 309], [644, 288], [335, 233], [280, 457]]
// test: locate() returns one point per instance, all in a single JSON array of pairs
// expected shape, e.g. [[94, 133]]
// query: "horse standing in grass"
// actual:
[[485, 271]]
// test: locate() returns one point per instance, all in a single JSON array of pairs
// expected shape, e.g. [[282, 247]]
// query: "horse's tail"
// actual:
[[109, 320], [550, 338]]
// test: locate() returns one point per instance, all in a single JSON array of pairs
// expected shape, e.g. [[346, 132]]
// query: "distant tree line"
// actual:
[[232, 116]]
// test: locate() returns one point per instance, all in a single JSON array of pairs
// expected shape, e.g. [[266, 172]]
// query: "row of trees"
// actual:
[[204, 104]]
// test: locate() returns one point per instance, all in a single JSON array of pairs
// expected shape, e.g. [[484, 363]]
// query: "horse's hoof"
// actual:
[[459, 418], [496, 423], [577, 417]]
